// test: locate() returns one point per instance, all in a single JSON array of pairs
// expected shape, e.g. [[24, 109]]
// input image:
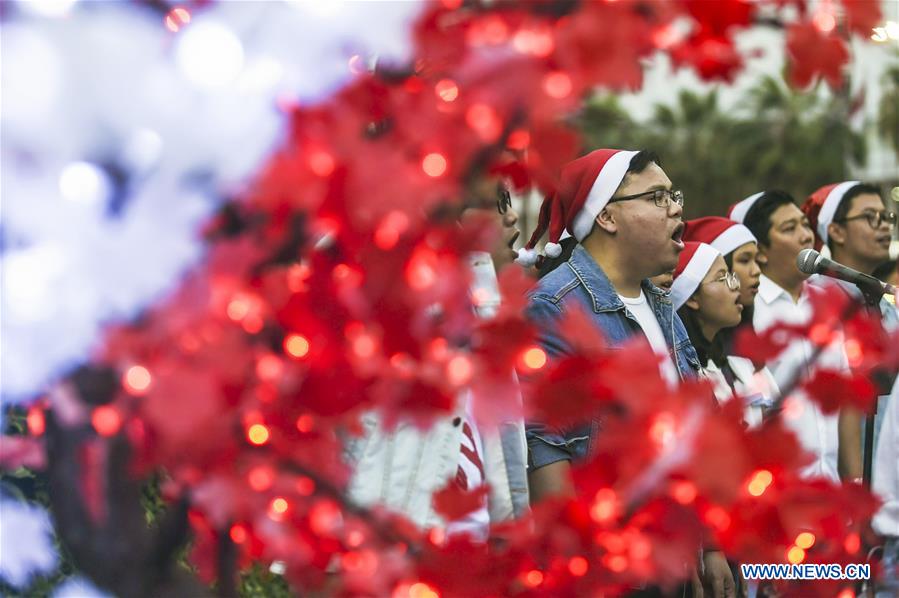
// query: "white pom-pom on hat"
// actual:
[[527, 257], [552, 249]]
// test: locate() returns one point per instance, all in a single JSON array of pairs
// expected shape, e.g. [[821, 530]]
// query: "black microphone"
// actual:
[[810, 261]]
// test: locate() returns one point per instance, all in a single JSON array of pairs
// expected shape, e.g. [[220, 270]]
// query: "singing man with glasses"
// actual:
[[852, 220], [627, 220]]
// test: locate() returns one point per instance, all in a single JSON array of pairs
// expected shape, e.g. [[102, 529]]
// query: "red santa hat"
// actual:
[[694, 263], [738, 211], [721, 233], [821, 206], [585, 187]]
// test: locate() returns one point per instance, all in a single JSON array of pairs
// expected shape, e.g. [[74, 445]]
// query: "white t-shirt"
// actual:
[[815, 431], [640, 309]]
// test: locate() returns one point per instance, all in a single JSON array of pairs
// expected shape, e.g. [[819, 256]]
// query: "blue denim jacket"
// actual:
[[580, 281]]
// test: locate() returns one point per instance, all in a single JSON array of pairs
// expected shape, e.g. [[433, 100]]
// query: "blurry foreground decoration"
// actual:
[[335, 281]]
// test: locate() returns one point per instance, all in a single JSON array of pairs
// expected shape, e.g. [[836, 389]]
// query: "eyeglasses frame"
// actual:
[[672, 195], [730, 280], [874, 219]]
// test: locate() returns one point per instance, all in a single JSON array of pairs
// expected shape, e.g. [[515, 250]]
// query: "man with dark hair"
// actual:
[[783, 231], [759, 221], [858, 233], [852, 220], [621, 209], [627, 220]]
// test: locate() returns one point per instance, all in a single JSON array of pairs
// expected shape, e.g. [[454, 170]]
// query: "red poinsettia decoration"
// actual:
[[339, 284]]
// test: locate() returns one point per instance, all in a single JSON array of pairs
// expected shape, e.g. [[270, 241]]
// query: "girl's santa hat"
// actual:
[[585, 187], [821, 206], [694, 263], [738, 211], [721, 233]]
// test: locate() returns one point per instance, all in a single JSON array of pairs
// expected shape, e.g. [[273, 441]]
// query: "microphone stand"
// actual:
[[872, 293]]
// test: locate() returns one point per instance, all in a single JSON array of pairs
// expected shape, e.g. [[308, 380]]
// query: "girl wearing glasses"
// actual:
[[706, 295]]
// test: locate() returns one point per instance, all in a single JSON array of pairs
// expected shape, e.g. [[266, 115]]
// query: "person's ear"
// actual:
[[761, 258], [693, 302], [836, 233], [606, 221]]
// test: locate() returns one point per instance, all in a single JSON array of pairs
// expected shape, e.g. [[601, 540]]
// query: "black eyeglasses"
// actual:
[[503, 199], [661, 197], [482, 202], [875, 219]]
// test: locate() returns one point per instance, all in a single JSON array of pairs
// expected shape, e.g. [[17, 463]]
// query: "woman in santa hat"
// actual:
[[738, 246], [707, 296], [740, 250]]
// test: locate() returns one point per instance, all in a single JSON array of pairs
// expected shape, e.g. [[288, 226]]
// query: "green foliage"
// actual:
[[151, 499], [259, 582], [888, 121], [776, 138]]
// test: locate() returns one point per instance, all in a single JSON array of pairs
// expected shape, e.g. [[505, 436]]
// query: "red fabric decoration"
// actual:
[[814, 55]]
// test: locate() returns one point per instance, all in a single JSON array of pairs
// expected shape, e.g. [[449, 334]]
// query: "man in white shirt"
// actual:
[[853, 221], [783, 231]]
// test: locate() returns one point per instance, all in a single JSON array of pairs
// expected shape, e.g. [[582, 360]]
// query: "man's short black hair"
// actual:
[[758, 218], [643, 158], [846, 203]]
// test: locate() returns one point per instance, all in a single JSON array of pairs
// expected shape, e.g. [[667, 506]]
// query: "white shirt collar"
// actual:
[[770, 291]]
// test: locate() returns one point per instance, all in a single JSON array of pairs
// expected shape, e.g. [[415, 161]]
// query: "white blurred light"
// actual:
[[892, 30], [65, 94], [143, 149], [325, 8], [209, 55], [28, 276], [32, 76], [48, 8], [26, 542], [889, 31], [83, 182], [261, 75]]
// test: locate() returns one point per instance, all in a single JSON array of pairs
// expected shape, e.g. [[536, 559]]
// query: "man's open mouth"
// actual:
[[677, 235]]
